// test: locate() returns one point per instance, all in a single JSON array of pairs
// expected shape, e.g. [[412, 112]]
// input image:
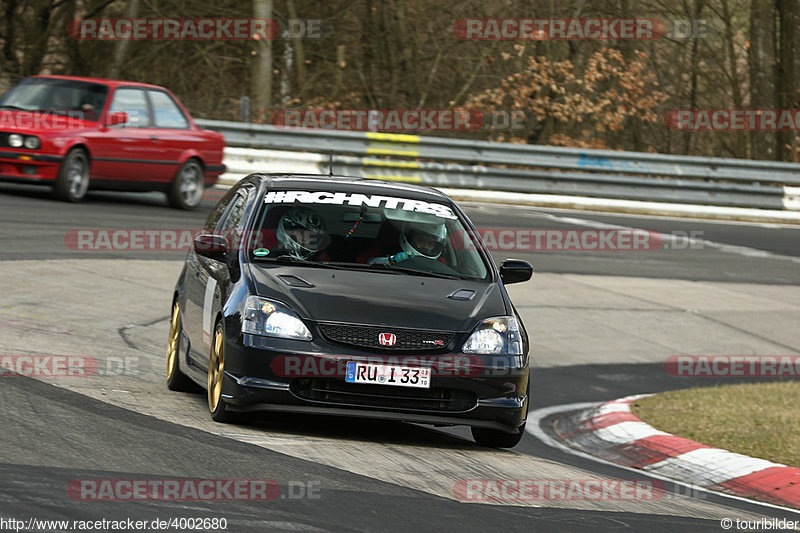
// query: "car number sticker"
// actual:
[[373, 200]]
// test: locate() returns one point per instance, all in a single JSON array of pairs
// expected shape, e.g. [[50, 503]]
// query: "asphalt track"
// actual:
[[602, 322]]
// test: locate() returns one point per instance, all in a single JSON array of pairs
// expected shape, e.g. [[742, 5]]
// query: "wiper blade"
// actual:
[[290, 259], [9, 106], [416, 272], [359, 266]]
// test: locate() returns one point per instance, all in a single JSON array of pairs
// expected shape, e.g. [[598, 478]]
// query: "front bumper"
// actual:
[[478, 391], [27, 167]]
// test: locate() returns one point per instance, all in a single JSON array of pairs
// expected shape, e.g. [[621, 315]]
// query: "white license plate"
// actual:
[[397, 375]]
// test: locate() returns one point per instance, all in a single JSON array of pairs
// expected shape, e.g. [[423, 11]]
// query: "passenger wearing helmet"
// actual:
[[301, 232], [417, 240]]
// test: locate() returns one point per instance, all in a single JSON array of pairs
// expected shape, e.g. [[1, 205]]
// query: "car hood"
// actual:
[[379, 298]]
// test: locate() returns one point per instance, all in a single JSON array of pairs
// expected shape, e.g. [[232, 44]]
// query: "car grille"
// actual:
[[352, 394], [368, 337]]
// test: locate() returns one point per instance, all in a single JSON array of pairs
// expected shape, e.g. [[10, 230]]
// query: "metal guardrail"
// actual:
[[485, 165]]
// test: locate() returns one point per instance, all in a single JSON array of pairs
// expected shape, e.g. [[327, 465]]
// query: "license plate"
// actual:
[[397, 375]]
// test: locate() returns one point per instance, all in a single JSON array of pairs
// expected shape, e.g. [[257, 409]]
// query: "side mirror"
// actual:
[[211, 246], [117, 118], [515, 271]]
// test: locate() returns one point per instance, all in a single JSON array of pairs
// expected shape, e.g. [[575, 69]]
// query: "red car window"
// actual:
[[134, 103], [166, 112]]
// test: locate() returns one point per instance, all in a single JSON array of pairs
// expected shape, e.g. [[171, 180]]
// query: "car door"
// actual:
[[195, 281], [130, 151], [171, 130], [208, 280]]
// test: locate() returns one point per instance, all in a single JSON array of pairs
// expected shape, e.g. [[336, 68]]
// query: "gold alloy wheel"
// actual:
[[216, 367], [174, 334]]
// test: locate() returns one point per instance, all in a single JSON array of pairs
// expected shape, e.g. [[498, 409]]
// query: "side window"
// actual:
[[166, 112], [220, 217], [234, 214], [134, 103], [216, 214], [229, 227], [231, 222]]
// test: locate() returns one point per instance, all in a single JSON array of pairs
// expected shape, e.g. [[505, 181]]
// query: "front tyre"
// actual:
[[176, 379], [186, 190], [216, 373], [73, 176]]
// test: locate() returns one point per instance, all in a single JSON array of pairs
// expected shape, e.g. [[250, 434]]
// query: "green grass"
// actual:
[[757, 419]]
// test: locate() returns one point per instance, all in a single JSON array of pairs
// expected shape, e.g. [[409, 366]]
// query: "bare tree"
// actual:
[[299, 49], [789, 72], [122, 46], [762, 72], [261, 78]]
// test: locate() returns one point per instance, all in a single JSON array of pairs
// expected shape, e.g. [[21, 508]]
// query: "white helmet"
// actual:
[[427, 240], [301, 231]]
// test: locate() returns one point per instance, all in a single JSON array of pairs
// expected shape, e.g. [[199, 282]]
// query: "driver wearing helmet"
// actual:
[[417, 240], [301, 232]]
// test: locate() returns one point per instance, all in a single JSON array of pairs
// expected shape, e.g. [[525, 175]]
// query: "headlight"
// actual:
[[32, 143], [498, 335], [15, 140], [272, 319]]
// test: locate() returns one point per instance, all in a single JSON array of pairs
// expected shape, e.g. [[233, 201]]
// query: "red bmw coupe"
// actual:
[[77, 133]]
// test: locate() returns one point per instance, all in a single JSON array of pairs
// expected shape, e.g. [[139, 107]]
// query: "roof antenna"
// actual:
[[330, 164]]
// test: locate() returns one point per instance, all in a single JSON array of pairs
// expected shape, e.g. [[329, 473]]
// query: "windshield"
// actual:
[[79, 99], [366, 231]]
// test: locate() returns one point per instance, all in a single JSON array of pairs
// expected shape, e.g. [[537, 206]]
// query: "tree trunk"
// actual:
[[299, 51], [740, 140], [633, 124], [762, 72], [694, 66], [789, 77], [261, 76], [10, 61], [341, 63], [123, 46]]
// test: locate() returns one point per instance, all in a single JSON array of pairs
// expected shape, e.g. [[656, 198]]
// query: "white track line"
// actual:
[[533, 427], [693, 243]]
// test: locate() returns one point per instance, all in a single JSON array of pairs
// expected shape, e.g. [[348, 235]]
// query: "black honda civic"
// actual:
[[351, 297]]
